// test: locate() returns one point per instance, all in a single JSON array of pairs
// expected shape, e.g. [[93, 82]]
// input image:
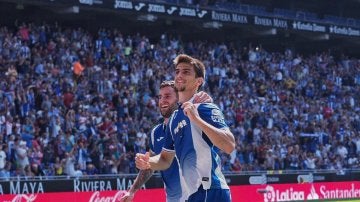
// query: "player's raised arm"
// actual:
[[220, 137]]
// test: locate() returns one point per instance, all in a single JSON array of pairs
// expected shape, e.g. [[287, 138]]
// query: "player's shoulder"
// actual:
[[207, 106], [175, 112], [156, 131], [173, 116], [157, 127], [209, 110]]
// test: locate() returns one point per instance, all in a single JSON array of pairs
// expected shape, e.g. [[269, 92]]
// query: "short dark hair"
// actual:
[[167, 83], [199, 67]]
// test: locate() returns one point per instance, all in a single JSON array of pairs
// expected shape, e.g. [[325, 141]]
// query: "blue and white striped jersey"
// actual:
[[199, 162], [171, 175]]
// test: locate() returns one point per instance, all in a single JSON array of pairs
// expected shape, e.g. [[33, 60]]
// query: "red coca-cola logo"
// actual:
[[24, 197], [96, 197]]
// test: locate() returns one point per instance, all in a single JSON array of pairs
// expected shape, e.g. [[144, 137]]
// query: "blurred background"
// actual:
[[79, 81]]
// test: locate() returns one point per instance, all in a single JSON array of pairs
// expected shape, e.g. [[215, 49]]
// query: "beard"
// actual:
[[180, 88], [167, 113]]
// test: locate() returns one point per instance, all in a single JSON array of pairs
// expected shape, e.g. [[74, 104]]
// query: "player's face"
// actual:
[[185, 77], [167, 101]]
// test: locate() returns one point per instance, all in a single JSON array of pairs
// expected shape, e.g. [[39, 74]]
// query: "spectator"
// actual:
[[70, 167], [2, 161], [22, 156], [274, 98]]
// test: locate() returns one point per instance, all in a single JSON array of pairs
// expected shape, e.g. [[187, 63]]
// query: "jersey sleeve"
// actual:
[[212, 114], [169, 141], [152, 137]]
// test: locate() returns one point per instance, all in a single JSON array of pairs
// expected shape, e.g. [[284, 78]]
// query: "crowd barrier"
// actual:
[[262, 187]]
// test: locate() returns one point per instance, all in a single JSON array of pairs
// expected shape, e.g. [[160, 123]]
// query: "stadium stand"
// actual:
[[69, 94], [287, 111]]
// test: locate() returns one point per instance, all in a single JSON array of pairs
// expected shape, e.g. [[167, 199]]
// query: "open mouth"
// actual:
[[180, 81], [164, 106]]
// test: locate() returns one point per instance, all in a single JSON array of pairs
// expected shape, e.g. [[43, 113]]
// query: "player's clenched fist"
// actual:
[[190, 110], [142, 161]]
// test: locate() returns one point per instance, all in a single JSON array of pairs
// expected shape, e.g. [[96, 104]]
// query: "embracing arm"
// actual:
[[202, 97]]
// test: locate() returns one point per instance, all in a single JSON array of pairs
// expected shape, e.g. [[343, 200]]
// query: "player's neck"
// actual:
[[185, 96], [166, 120]]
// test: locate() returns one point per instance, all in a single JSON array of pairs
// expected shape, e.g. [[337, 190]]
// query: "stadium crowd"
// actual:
[[77, 103]]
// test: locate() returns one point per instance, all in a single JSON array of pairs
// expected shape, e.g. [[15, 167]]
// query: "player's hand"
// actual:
[[202, 97], [142, 161], [127, 197], [190, 110]]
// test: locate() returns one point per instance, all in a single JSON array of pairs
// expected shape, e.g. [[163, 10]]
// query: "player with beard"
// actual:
[[167, 103], [195, 133]]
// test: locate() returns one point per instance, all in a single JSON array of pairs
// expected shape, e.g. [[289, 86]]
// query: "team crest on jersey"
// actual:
[[216, 116], [180, 125]]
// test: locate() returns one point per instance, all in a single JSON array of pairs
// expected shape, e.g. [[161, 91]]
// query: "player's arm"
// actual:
[[161, 161], [142, 177], [220, 137]]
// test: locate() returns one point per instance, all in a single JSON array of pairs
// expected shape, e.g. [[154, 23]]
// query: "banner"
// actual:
[[240, 193], [110, 183], [74, 185], [297, 192], [211, 14], [279, 178], [232, 17], [97, 196]]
